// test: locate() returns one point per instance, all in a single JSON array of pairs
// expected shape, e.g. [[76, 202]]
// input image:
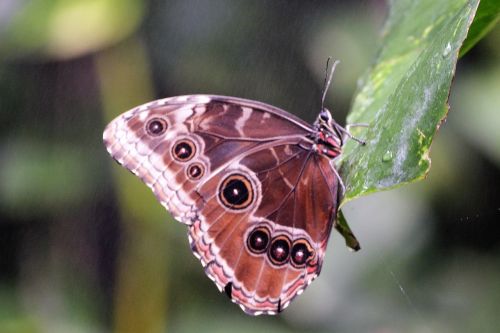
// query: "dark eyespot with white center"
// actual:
[[258, 240], [183, 150], [301, 253], [279, 251], [156, 126], [195, 171], [236, 192]]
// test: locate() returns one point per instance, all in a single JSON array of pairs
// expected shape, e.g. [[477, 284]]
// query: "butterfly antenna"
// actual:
[[328, 79]]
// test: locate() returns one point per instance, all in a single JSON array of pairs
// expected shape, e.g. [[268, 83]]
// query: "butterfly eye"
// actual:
[[301, 252], [195, 171], [156, 126], [258, 240], [279, 251], [236, 192], [184, 150]]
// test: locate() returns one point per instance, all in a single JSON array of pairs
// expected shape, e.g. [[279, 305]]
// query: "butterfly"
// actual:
[[256, 186]]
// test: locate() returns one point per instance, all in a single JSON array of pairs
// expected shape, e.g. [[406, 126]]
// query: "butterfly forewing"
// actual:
[[246, 178]]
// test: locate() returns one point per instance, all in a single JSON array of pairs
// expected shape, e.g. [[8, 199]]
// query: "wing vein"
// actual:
[[295, 185]]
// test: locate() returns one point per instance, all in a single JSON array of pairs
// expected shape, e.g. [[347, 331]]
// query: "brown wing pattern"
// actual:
[[258, 200], [298, 200]]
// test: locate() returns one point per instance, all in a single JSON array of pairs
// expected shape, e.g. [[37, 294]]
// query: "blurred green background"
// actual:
[[85, 247]]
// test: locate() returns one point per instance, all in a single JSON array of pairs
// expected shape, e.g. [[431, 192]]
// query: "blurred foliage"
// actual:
[[66, 29], [136, 308], [28, 185], [479, 102], [486, 18], [85, 247]]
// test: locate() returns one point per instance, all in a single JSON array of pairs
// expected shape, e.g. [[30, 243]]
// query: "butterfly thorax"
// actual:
[[327, 138]]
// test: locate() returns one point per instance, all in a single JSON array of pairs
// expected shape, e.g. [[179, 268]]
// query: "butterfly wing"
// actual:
[[298, 199], [243, 175]]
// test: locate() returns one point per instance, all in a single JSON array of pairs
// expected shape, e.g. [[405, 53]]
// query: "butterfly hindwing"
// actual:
[[294, 204]]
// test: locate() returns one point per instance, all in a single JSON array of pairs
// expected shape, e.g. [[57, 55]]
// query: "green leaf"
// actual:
[[403, 97], [487, 16]]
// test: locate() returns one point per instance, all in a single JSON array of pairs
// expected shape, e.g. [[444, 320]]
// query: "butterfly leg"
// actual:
[[341, 182], [348, 127], [347, 133]]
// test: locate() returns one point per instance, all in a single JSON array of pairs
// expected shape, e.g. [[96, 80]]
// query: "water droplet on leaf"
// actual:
[[387, 156], [447, 50]]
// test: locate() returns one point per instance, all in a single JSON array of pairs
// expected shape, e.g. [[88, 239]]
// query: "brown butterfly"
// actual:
[[256, 186]]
